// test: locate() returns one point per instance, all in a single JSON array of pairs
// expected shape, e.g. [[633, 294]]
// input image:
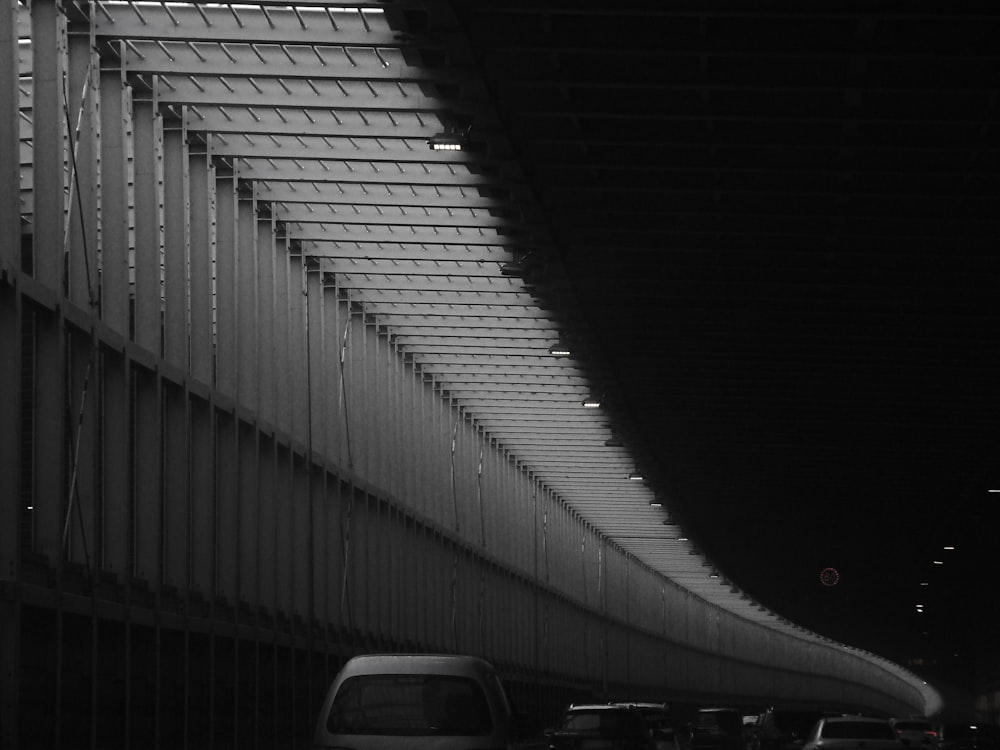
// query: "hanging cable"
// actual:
[[74, 489], [75, 182]]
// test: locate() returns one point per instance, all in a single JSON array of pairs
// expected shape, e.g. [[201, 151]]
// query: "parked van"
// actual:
[[430, 702]]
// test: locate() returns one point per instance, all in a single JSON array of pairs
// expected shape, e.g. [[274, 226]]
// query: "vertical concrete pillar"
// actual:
[[201, 262], [48, 49], [246, 298], [115, 126], [10, 368], [82, 94], [10, 157], [148, 297], [282, 392], [226, 308], [176, 243], [266, 362]]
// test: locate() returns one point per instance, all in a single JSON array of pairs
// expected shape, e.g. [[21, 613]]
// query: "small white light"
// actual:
[[559, 351], [682, 539], [635, 477], [948, 546], [939, 562], [592, 403], [655, 504]]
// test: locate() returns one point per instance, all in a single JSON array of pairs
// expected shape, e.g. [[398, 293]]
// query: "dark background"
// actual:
[[771, 229]]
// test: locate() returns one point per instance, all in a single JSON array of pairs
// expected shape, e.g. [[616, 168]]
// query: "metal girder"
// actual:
[[319, 169], [300, 93], [317, 25], [276, 61], [477, 298], [428, 335], [315, 121], [301, 146], [446, 311], [523, 327], [418, 216], [564, 380], [374, 194], [444, 283]]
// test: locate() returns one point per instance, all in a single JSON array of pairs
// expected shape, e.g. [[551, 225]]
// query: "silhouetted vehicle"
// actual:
[[716, 729], [434, 702], [852, 733], [660, 721], [611, 726], [968, 736], [783, 729], [917, 732]]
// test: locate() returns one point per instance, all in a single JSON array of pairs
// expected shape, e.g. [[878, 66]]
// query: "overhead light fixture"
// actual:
[[592, 403], [938, 562], [559, 350], [446, 142], [636, 477], [655, 504]]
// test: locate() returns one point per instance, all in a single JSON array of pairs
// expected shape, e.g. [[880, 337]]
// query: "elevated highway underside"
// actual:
[[279, 387]]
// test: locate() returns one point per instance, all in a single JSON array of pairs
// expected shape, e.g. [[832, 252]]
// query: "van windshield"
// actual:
[[410, 705]]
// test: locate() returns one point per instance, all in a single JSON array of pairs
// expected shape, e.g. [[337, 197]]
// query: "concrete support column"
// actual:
[[115, 125], [246, 298], [82, 93], [48, 50], [148, 296], [201, 263], [226, 310], [10, 98], [10, 369], [176, 243]]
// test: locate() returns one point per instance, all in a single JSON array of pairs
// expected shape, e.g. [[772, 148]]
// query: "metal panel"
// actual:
[[226, 268], [201, 222], [116, 197], [246, 302], [266, 362], [147, 479], [177, 492], [148, 291], [48, 53], [176, 245], [10, 224], [81, 104]]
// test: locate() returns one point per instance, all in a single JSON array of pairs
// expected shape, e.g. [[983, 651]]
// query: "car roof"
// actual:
[[452, 664], [598, 706]]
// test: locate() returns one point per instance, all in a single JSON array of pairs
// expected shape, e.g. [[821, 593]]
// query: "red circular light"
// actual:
[[829, 576]]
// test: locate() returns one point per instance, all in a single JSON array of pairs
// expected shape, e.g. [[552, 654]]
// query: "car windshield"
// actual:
[[410, 705], [857, 730], [599, 721]]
